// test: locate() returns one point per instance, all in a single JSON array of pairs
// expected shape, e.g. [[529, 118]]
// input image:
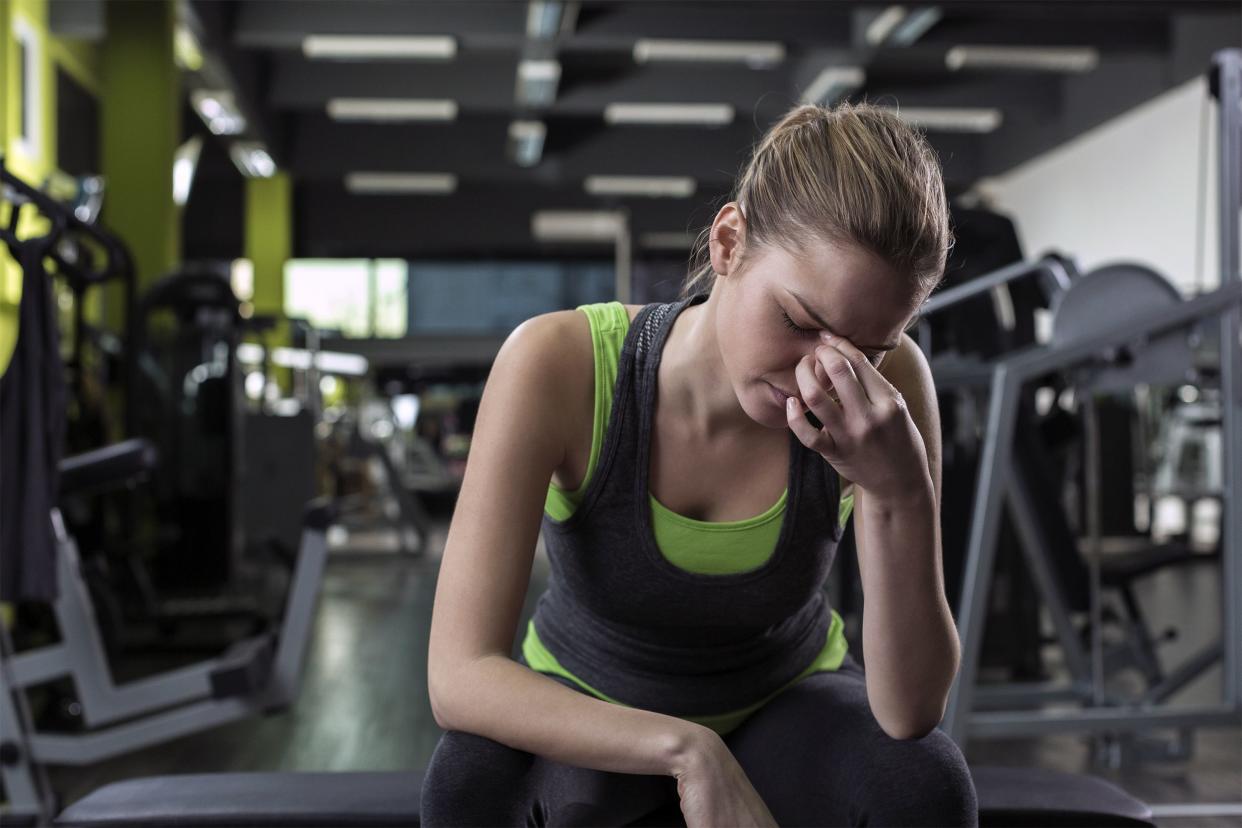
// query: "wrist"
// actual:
[[691, 745], [915, 493]]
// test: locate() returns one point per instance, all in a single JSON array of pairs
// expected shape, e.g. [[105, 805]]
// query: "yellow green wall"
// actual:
[[140, 130], [269, 238], [77, 58]]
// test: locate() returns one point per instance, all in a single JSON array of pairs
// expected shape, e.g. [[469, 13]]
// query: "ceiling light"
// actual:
[[1042, 59], [382, 183], [547, 18], [537, 81], [833, 84], [185, 161], [391, 109], [252, 160], [380, 47], [693, 114], [897, 26], [658, 186], [577, 225], [951, 120], [526, 138], [666, 241], [187, 53], [755, 54], [218, 109]]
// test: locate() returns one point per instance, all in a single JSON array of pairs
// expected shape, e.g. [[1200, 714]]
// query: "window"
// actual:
[[357, 297], [496, 297]]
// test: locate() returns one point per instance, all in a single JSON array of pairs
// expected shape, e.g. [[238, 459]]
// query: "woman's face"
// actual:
[[771, 313]]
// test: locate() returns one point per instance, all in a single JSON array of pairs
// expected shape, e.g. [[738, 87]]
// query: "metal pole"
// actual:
[[1227, 77]]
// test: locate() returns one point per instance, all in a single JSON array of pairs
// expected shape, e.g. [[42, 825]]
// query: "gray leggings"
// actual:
[[815, 754]]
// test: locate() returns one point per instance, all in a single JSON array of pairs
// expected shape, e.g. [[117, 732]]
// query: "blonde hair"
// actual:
[[851, 174]]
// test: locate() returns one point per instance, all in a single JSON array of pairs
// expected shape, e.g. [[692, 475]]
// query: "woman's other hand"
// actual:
[[867, 433], [715, 791]]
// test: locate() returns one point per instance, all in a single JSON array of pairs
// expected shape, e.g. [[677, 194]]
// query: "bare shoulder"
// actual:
[[633, 310], [557, 345]]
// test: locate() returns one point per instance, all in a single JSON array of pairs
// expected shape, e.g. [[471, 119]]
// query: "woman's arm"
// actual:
[[475, 687], [910, 643]]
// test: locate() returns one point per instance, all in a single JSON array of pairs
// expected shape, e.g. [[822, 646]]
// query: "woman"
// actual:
[[703, 457]]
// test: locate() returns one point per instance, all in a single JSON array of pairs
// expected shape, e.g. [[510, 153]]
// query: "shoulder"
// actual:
[[550, 349], [633, 310], [907, 370]]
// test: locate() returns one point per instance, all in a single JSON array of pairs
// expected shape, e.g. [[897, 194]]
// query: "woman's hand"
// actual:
[[714, 790], [867, 435]]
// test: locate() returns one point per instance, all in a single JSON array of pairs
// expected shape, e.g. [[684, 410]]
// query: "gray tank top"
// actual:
[[627, 621]]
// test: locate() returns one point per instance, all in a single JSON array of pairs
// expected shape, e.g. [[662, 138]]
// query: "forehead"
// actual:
[[832, 277]]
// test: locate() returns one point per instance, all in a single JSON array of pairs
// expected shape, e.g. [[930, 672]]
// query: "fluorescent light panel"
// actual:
[[898, 26], [833, 84], [381, 183], [219, 111], [543, 19], [951, 120], [914, 26], [757, 54], [577, 225], [676, 113], [1041, 59], [666, 241], [380, 47], [391, 109], [252, 160], [526, 142], [537, 81], [185, 161], [656, 186]]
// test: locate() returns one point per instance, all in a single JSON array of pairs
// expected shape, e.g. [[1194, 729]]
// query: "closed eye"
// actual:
[[875, 359], [789, 323]]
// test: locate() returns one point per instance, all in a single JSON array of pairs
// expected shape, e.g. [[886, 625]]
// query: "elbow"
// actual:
[[912, 727], [908, 730]]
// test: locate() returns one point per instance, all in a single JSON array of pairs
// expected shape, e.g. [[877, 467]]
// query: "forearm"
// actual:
[[507, 702], [909, 640]]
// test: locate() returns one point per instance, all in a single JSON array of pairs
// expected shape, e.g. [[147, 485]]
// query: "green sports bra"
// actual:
[[696, 546]]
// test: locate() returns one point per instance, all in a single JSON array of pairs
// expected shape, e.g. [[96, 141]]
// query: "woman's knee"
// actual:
[[920, 782], [468, 772]]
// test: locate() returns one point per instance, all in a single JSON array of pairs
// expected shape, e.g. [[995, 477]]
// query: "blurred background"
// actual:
[[283, 241]]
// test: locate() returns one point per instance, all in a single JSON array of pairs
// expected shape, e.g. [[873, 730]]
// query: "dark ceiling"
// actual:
[[1144, 48]]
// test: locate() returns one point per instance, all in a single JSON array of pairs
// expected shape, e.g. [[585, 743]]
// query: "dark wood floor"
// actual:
[[363, 704]]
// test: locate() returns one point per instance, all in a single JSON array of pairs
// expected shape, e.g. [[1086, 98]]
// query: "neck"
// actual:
[[694, 386]]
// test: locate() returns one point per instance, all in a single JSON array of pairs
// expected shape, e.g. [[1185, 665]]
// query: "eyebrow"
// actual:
[[811, 313]]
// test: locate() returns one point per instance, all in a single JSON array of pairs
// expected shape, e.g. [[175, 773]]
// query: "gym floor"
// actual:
[[363, 704]]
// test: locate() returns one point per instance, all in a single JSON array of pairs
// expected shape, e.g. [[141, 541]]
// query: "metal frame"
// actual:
[[998, 482], [170, 705]]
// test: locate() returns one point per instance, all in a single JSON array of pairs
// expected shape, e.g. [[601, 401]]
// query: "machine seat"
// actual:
[[1009, 797]]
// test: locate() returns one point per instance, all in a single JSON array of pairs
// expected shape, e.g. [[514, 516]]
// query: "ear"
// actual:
[[727, 236]]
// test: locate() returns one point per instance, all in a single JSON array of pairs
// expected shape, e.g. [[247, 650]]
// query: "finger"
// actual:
[[816, 396], [844, 380], [816, 439], [869, 376]]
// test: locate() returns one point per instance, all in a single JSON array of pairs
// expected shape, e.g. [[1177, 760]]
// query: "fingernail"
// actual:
[[827, 337], [789, 403]]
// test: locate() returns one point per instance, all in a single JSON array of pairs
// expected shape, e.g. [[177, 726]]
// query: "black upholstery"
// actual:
[[116, 463], [261, 800], [1039, 797], [1007, 797]]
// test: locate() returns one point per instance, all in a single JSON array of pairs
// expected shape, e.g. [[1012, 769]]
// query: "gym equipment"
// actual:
[[1006, 793], [1112, 329], [256, 675], [1008, 797]]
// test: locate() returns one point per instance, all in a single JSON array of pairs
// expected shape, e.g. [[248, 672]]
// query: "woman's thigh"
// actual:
[[817, 756], [473, 780]]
